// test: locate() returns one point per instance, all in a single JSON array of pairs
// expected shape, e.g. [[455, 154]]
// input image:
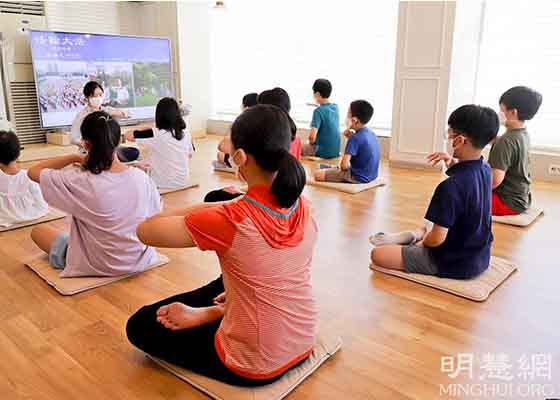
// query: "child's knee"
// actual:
[[373, 255], [319, 175], [36, 234]]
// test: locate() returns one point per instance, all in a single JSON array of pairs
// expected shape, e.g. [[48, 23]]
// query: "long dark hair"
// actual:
[[103, 134], [263, 131], [169, 118], [279, 98]]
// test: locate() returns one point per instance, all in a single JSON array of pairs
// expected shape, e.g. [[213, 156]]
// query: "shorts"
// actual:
[[339, 175], [309, 150], [418, 260], [127, 154], [59, 248], [499, 208]]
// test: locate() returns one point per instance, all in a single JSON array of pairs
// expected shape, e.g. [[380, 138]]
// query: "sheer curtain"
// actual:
[[520, 46], [260, 44]]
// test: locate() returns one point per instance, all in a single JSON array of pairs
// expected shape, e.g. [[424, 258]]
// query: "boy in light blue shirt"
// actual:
[[360, 163], [324, 137]]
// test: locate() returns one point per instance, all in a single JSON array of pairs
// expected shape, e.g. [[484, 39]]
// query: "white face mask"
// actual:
[[502, 118], [95, 101], [236, 169]]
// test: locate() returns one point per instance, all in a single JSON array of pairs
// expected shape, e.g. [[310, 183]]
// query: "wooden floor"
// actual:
[[394, 332]]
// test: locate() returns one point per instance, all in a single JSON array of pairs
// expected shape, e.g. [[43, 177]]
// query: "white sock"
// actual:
[[402, 238]]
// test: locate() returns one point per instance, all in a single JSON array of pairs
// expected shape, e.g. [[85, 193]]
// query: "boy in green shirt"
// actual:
[[509, 157], [324, 136]]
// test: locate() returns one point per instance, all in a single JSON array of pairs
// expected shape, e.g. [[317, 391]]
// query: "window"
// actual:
[[520, 47], [260, 44]]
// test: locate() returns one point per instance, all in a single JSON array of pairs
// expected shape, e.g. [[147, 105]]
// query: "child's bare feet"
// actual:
[[177, 316]]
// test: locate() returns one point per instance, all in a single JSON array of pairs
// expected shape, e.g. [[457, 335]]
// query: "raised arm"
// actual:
[[34, 172]]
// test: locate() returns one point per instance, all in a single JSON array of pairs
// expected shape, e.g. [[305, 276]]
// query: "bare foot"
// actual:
[[177, 316]]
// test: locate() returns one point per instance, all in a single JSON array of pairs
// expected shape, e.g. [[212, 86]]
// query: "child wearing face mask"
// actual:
[[360, 163], [259, 319], [509, 157], [457, 239], [224, 147], [93, 92]]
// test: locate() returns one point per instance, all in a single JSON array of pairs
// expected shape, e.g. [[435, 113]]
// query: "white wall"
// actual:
[[83, 16], [194, 22], [150, 18]]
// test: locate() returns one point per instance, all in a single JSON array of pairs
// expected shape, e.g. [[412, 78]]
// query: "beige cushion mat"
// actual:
[[225, 169], [189, 186], [326, 346], [35, 152], [319, 159], [351, 188], [477, 289], [524, 219], [70, 286], [50, 216]]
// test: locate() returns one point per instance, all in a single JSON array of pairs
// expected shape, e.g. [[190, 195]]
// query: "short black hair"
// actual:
[[525, 100], [479, 124], [323, 87], [250, 100], [89, 88], [9, 147], [362, 110]]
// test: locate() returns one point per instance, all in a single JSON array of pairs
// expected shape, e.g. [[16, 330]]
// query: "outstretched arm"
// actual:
[[55, 163]]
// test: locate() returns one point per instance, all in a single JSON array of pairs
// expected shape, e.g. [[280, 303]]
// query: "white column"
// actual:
[[194, 53], [422, 71]]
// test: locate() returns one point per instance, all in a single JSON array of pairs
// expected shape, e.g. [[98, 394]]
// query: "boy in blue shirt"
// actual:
[[360, 163], [458, 244], [324, 136]]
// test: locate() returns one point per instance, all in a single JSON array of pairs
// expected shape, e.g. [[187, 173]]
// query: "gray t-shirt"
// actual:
[[510, 153]]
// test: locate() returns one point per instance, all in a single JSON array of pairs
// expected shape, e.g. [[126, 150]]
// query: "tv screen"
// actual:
[[135, 73]]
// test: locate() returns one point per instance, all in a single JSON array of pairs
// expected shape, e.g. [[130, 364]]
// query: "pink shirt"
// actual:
[[105, 211], [295, 148], [265, 254]]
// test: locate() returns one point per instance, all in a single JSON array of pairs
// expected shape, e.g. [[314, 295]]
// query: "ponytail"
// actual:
[[102, 134], [289, 181], [264, 131], [179, 128]]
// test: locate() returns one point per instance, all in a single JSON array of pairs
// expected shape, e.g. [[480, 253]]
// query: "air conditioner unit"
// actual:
[[18, 97]]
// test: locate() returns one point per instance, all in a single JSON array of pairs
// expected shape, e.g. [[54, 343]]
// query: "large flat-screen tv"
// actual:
[[135, 73]]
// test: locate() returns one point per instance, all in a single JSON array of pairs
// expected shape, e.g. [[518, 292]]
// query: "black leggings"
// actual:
[[189, 348], [127, 154], [220, 195]]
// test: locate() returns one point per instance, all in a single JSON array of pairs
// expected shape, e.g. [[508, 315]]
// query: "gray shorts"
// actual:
[[418, 260], [338, 175], [308, 150], [59, 248]]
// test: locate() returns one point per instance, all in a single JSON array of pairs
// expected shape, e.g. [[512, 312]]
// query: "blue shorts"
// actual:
[[59, 248]]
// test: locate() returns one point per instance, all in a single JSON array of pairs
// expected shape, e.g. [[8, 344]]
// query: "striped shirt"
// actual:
[[265, 253]]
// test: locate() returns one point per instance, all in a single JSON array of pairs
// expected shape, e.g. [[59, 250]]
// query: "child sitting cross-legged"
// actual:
[[360, 163], [456, 244], [259, 319], [106, 200]]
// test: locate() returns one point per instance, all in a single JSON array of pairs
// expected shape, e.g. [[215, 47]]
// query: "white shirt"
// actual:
[[75, 132], [169, 158], [20, 199]]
